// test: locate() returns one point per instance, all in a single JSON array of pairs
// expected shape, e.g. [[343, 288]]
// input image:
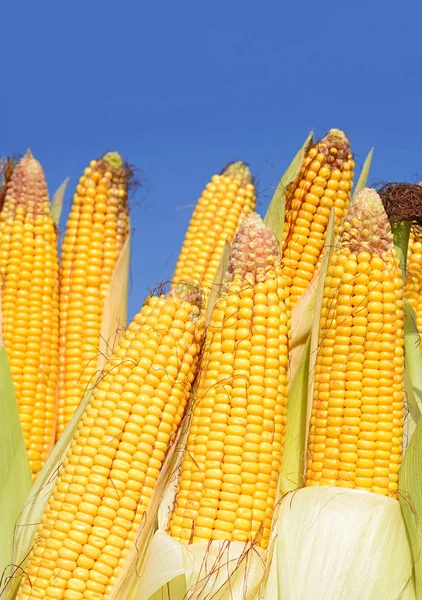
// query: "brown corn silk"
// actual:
[[356, 428], [223, 205], [29, 281], [108, 475], [324, 182], [96, 230], [229, 474]]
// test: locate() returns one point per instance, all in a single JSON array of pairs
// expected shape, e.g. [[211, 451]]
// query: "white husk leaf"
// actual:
[[340, 544], [219, 570]]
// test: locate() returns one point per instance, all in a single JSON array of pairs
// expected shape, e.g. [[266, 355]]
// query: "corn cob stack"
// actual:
[[109, 473], [96, 230], [224, 203], [413, 284], [229, 475], [325, 182], [357, 418], [30, 304]]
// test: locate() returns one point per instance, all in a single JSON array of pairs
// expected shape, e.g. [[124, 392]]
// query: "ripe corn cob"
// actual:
[[356, 428], [97, 227], [413, 284], [223, 205], [109, 473], [229, 475], [29, 280], [325, 182]]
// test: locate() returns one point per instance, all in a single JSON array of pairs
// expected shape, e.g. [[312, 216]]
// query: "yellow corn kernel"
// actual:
[[223, 205], [96, 230], [307, 215], [108, 475], [236, 437], [29, 273], [361, 425]]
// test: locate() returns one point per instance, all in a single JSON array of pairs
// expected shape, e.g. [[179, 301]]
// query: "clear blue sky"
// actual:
[[181, 88]]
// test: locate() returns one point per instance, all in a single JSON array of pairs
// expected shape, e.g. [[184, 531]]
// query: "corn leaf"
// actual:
[[35, 503], [218, 281], [340, 544], [295, 440], [15, 480], [410, 497], [115, 307], [57, 202], [363, 177], [274, 219]]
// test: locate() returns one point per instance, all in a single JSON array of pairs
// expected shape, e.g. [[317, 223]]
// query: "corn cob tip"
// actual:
[[113, 160], [27, 187], [337, 136], [189, 292], [240, 170], [402, 201], [255, 249], [336, 147], [366, 225]]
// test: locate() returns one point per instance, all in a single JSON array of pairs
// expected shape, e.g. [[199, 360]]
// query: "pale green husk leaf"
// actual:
[[340, 544], [328, 249], [14, 467], [413, 371], [363, 177], [274, 218], [57, 202], [305, 317], [218, 281], [410, 496], [115, 307], [40, 492], [306, 311], [295, 438]]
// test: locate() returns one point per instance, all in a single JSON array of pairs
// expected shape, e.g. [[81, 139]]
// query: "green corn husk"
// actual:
[[302, 363], [410, 485], [274, 218], [14, 468], [363, 177]]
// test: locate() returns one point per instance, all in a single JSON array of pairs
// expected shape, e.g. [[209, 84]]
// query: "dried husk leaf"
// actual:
[[57, 202]]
